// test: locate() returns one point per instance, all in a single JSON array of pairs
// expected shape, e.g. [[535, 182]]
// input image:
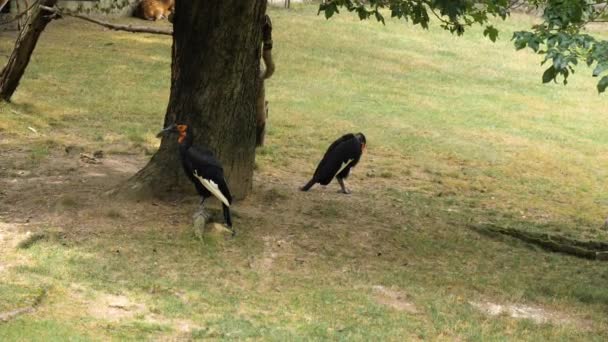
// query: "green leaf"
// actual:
[[600, 68], [558, 62], [549, 74], [533, 44], [491, 33], [328, 9], [379, 17], [602, 84]]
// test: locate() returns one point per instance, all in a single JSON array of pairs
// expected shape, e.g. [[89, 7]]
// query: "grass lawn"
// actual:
[[460, 131]]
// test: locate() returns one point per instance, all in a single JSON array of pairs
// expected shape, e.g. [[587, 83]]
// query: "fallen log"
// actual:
[[593, 250]]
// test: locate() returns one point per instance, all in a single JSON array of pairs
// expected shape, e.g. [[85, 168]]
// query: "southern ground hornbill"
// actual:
[[202, 168], [342, 155]]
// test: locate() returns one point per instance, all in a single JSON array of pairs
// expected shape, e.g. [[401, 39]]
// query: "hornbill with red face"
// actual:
[[202, 168], [342, 155]]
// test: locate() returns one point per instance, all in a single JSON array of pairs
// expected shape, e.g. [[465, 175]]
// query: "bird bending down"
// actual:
[[341, 156], [203, 169]]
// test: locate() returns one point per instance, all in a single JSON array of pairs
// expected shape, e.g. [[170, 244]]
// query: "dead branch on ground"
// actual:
[[593, 250], [117, 27]]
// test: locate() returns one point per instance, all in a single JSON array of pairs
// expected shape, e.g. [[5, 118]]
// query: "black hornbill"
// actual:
[[342, 155], [202, 168]]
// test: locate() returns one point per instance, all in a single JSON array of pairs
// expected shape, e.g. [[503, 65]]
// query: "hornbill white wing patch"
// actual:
[[344, 165], [213, 188]]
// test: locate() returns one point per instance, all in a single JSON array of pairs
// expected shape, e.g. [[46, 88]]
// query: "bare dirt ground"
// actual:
[[536, 314], [66, 197], [63, 190]]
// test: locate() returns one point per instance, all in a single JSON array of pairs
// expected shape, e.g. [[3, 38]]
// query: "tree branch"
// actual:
[[583, 249], [432, 9], [19, 15], [116, 27]]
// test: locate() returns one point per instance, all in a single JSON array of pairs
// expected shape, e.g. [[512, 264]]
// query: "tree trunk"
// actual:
[[214, 87], [2, 4], [262, 104], [24, 47]]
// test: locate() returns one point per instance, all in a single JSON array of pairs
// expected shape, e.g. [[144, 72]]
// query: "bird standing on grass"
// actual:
[[202, 168], [342, 155]]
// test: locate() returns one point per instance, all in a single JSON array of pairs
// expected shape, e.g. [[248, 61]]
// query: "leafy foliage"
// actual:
[[560, 38]]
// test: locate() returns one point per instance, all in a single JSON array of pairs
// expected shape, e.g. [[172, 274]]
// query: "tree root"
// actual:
[[7, 316], [31, 240], [592, 250]]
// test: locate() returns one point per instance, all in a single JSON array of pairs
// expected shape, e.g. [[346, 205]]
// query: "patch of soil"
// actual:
[[179, 325], [536, 314], [288, 232], [273, 247], [393, 299], [58, 184], [10, 236], [115, 308]]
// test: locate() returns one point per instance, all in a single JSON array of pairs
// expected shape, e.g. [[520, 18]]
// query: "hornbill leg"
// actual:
[[308, 185], [228, 219], [344, 188], [201, 210], [201, 206]]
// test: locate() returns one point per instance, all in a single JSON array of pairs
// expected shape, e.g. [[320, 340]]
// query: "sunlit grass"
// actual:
[[460, 130], [473, 109]]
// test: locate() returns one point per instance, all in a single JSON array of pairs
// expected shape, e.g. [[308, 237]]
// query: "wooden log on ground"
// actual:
[[593, 250]]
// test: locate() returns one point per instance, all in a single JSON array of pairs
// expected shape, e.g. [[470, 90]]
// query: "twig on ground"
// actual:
[[117, 27]]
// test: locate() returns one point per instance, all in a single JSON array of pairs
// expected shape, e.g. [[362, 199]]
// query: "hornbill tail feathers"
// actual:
[[213, 189]]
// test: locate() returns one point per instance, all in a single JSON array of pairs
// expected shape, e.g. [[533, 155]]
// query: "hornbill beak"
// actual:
[[172, 128]]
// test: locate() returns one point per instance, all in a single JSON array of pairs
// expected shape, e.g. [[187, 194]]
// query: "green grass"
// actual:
[[460, 131], [472, 112]]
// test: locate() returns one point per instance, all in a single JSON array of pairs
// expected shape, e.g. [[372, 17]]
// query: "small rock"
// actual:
[[203, 228], [215, 228], [85, 158]]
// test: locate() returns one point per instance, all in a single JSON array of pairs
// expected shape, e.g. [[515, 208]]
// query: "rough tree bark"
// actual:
[[214, 87], [24, 46], [262, 104]]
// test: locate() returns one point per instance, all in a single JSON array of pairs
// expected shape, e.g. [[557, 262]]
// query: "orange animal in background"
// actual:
[[155, 9]]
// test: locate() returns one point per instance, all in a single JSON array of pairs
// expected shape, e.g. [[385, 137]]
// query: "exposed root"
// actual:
[[7, 316], [593, 250], [30, 240]]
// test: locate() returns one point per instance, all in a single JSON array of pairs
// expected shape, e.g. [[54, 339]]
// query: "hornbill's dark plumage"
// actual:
[[203, 169], [342, 155]]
